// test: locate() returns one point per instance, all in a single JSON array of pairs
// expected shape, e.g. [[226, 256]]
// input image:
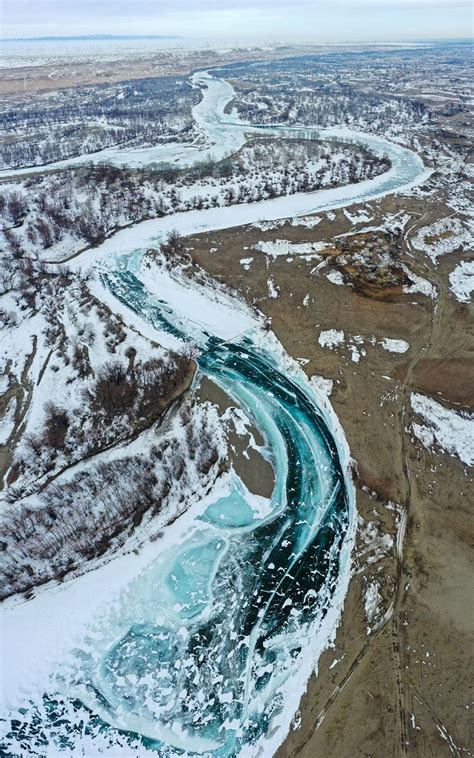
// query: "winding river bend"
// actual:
[[206, 644]]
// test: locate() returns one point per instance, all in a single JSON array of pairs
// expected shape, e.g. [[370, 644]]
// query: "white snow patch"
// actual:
[[377, 542], [355, 354], [461, 281], [418, 284], [394, 346], [424, 434], [442, 237], [275, 248], [372, 600], [335, 277], [268, 226], [272, 290], [331, 338], [245, 262], [336, 661], [308, 221], [452, 431], [7, 421], [357, 218]]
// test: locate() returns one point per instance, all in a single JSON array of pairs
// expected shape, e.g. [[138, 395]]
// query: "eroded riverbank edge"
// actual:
[[251, 467]]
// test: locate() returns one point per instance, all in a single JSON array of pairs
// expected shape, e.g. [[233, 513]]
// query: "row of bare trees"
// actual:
[[87, 119], [97, 510], [116, 406], [57, 207]]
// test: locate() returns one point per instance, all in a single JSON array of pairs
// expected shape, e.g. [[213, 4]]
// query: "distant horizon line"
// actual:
[[53, 37], [99, 37]]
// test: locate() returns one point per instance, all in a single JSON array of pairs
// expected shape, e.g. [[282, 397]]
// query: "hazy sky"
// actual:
[[241, 20]]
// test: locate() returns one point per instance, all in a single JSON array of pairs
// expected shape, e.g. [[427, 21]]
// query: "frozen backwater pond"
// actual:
[[203, 643]]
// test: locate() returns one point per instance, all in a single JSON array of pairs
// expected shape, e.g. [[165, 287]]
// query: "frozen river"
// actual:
[[203, 642]]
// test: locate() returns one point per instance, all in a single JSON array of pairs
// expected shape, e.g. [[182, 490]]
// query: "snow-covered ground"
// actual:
[[443, 237], [461, 281], [450, 430]]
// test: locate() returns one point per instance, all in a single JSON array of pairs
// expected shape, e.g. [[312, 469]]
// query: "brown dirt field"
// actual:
[[440, 376], [100, 69], [402, 688]]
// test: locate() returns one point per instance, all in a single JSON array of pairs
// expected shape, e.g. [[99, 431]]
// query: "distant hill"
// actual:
[[90, 38]]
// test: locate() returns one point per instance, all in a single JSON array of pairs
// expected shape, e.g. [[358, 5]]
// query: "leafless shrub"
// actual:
[[7, 318], [80, 360], [56, 426], [13, 242]]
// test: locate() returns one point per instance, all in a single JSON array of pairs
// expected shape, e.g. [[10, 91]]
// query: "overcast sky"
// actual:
[[242, 20]]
